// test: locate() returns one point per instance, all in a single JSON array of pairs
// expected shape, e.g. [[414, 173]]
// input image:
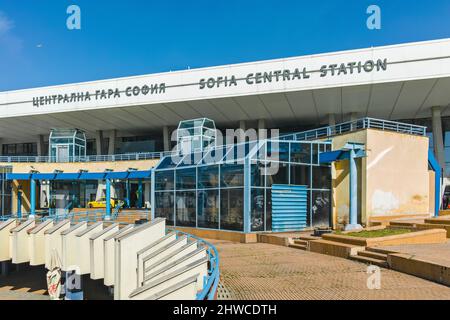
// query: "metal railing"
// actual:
[[211, 281], [92, 158], [364, 123]]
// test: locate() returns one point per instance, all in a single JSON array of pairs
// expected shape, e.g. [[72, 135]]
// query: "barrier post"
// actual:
[[32, 198], [108, 199]]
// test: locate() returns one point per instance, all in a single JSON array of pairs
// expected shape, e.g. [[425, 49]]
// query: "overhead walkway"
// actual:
[[144, 261]]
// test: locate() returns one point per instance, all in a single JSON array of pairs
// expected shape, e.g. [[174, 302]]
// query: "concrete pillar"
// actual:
[[112, 142], [147, 200], [438, 139], [99, 141], [331, 119], [40, 145], [166, 138], [242, 126], [353, 116], [261, 127]]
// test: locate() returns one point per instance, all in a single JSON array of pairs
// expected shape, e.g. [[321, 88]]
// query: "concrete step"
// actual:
[[299, 246], [374, 255], [368, 260], [300, 242], [379, 250], [307, 238]]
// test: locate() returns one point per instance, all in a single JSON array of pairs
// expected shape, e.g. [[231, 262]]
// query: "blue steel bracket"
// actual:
[[434, 164]]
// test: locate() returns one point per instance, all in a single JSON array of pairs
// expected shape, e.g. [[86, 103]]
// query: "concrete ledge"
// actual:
[[332, 248], [220, 234], [406, 263], [425, 236], [426, 226], [271, 239], [438, 221]]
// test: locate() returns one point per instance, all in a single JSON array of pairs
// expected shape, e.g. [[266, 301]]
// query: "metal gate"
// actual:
[[289, 207]]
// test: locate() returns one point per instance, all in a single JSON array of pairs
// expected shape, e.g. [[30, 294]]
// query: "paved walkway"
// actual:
[[264, 271]]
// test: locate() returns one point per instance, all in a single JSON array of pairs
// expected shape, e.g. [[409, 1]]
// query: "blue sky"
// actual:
[[123, 38]]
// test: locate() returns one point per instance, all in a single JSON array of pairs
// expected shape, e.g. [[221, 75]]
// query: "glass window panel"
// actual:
[[208, 209], [164, 180], [321, 177], [277, 173], [257, 174], [320, 209], [315, 153], [185, 208], [268, 209], [301, 152], [300, 175], [208, 177], [231, 209], [278, 151], [257, 211], [186, 178], [231, 175], [164, 206]]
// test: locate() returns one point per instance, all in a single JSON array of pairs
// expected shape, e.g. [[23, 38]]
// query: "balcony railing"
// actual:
[[92, 158], [364, 123]]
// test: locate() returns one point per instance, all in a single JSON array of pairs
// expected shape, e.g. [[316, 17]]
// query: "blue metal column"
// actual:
[[19, 204], [140, 193], [353, 212], [247, 196], [108, 199], [127, 197], [153, 203], [32, 198]]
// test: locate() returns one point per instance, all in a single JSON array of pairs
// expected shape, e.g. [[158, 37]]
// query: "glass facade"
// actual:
[[229, 187]]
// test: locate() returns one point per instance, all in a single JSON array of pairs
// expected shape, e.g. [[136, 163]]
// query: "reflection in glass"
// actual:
[[257, 213], [232, 175], [164, 180], [232, 209], [208, 209], [164, 206], [208, 177], [185, 208], [186, 178]]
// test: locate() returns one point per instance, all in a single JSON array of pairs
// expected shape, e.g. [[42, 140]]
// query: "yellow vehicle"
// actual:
[[101, 203]]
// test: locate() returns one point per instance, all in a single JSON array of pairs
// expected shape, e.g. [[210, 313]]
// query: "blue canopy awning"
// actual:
[[140, 174], [117, 175], [18, 176], [92, 176], [43, 176], [67, 176]]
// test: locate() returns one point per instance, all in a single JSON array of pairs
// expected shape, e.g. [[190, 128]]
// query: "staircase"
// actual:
[[372, 255], [301, 242]]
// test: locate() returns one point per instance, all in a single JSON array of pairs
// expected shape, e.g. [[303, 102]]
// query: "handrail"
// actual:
[[90, 158], [349, 126], [212, 279]]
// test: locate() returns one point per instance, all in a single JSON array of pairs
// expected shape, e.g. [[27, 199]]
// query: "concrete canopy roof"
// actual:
[[392, 82]]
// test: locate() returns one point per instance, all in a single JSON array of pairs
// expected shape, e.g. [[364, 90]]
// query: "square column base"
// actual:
[[351, 227]]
